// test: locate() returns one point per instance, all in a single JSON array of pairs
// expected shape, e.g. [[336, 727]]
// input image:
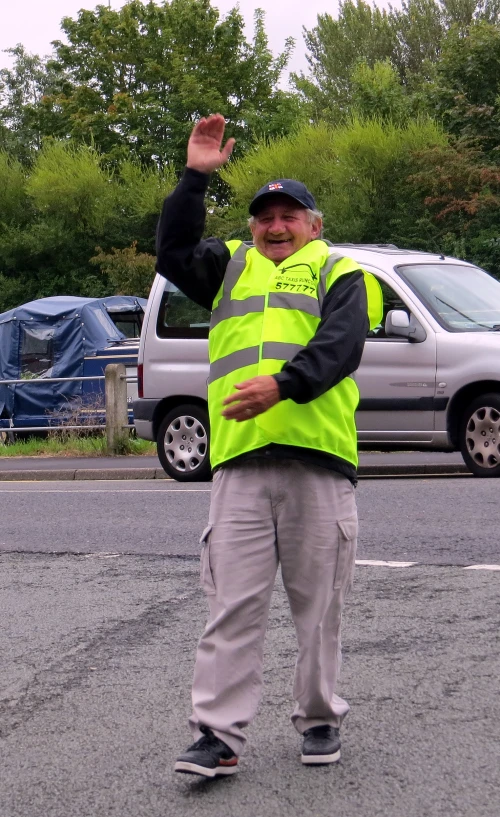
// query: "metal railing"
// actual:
[[49, 380], [115, 404]]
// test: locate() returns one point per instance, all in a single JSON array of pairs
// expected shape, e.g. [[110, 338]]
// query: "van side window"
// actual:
[[179, 317], [391, 301]]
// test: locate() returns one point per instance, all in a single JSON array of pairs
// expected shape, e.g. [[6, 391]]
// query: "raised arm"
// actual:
[[194, 264]]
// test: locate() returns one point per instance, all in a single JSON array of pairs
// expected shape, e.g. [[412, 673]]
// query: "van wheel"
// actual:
[[480, 436], [183, 443]]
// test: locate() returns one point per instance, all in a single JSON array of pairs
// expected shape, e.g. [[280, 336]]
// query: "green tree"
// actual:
[[358, 172], [129, 272], [466, 92], [56, 215], [410, 38], [419, 27], [461, 188], [132, 81], [14, 200], [378, 182], [22, 89], [361, 32], [378, 93]]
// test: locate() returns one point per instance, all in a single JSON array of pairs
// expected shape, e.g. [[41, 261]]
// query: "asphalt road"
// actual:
[[432, 521], [97, 654]]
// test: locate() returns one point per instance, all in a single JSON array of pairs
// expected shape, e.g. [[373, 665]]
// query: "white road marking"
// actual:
[[380, 563], [482, 567]]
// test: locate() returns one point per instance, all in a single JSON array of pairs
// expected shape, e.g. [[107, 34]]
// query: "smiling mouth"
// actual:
[[278, 241]]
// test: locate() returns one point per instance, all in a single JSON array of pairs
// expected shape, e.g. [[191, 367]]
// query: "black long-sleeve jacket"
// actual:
[[197, 267]]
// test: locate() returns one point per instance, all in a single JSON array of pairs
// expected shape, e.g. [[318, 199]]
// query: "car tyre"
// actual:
[[183, 441], [480, 436]]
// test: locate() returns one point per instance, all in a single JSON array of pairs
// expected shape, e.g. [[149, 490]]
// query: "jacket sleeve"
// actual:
[[335, 350], [193, 264]]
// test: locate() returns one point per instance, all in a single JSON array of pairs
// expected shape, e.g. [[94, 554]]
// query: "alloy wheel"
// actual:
[[185, 444], [482, 437]]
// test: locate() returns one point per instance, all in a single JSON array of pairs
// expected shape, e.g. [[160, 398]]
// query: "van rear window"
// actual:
[[179, 317]]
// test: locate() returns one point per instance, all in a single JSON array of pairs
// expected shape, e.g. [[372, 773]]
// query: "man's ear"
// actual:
[[316, 228]]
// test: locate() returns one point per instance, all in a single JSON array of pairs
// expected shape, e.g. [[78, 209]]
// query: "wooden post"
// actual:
[[116, 405]]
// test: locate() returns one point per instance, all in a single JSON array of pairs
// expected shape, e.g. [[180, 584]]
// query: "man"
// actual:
[[287, 331]]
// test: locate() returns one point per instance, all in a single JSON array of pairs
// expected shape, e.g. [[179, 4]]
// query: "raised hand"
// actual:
[[205, 152]]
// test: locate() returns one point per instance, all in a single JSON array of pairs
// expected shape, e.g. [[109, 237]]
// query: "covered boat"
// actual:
[[64, 336]]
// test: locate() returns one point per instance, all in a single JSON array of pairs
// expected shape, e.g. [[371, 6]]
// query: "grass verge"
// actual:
[[66, 446]]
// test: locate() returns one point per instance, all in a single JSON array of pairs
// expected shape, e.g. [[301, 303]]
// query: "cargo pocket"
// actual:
[[346, 554], [206, 575]]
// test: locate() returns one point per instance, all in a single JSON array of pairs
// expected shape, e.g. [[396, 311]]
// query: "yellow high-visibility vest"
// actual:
[[262, 316]]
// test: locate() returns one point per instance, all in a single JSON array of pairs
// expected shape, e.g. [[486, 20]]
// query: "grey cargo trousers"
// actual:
[[264, 513]]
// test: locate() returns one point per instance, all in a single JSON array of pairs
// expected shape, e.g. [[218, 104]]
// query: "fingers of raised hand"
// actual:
[[205, 151], [227, 149], [211, 127]]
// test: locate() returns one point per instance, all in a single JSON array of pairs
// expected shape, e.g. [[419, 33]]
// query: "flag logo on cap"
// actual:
[[275, 186]]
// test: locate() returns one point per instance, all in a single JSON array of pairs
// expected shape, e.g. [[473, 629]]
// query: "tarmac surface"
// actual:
[[101, 612], [97, 659], [390, 463]]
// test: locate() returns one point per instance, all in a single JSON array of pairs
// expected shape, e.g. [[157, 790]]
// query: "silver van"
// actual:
[[429, 376]]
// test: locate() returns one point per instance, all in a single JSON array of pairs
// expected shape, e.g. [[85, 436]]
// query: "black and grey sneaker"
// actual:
[[321, 745], [209, 757]]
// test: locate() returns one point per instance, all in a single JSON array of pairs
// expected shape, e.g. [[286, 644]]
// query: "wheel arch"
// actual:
[[461, 400], [169, 403]]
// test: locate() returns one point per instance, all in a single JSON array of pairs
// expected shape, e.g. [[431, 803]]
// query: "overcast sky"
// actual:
[[35, 23]]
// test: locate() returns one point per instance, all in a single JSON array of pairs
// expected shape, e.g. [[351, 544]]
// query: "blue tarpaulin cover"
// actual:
[[51, 337]]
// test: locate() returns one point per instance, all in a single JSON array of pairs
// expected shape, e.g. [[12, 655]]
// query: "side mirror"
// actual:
[[398, 324]]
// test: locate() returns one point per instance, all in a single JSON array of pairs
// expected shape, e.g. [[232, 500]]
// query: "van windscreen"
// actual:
[[462, 298]]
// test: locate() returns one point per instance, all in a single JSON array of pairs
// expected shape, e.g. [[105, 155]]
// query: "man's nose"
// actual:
[[277, 226]]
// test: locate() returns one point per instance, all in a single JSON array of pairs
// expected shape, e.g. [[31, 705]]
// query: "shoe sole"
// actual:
[[193, 768], [318, 760]]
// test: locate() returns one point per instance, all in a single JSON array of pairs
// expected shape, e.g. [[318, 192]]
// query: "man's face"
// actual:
[[282, 228]]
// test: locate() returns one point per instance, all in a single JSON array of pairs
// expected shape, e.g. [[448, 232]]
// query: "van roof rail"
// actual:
[[352, 244], [368, 246]]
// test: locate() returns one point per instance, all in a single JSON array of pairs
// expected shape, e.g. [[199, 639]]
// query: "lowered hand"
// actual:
[[253, 397]]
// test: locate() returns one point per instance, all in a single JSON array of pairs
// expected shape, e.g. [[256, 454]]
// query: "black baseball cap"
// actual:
[[285, 187]]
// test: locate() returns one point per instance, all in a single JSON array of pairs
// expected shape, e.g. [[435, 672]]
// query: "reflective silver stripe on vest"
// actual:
[[235, 267], [325, 269], [227, 308], [280, 351], [294, 300], [236, 360]]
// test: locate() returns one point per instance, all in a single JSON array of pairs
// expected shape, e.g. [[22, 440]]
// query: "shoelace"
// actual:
[[208, 741]]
